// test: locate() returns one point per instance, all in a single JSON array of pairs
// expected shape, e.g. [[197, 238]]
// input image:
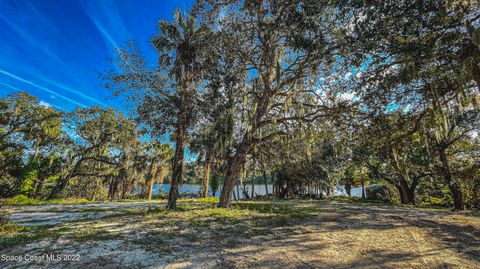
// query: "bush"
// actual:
[[21, 199], [377, 192], [28, 178], [214, 183]]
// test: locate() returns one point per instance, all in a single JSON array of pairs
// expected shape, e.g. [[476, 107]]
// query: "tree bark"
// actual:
[[37, 147], [39, 186], [411, 190], [265, 181], [126, 186], [449, 180], [113, 188], [238, 191], [233, 171], [152, 175], [363, 189], [253, 176], [206, 177], [61, 185], [405, 193], [348, 189], [402, 193], [178, 163]]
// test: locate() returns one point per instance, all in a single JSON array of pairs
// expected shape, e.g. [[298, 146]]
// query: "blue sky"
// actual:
[[54, 49]]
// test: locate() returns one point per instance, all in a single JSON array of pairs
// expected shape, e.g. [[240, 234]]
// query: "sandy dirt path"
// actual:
[[307, 234], [33, 215]]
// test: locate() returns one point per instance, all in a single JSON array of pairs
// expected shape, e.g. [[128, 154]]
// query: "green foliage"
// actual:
[[21, 199], [24, 200], [214, 182], [28, 178], [377, 192]]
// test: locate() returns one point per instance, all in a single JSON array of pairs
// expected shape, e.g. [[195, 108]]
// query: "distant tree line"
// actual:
[[92, 153]]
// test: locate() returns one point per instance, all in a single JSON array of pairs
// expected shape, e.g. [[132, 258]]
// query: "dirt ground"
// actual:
[[291, 234]]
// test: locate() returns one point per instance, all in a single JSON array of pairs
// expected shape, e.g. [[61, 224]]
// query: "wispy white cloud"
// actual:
[[45, 104], [79, 93], [10, 87], [50, 91], [109, 23], [105, 34], [23, 30]]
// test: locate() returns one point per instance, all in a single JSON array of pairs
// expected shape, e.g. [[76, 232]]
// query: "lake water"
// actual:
[[259, 190]]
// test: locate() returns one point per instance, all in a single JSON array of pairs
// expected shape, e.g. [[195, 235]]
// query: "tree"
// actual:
[[28, 123], [416, 56], [161, 153], [281, 60], [182, 47], [166, 95], [101, 139]]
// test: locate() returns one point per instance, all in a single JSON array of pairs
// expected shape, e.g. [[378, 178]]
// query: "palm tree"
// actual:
[[182, 48]]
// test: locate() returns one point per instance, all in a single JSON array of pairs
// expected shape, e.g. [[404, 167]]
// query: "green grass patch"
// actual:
[[21, 200], [209, 200], [24, 200], [13, 235], [158, 210], [94, 235], [263, 207]]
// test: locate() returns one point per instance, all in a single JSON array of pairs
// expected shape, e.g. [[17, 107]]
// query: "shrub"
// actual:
[[377, 192], [21, 199], [28, 178]]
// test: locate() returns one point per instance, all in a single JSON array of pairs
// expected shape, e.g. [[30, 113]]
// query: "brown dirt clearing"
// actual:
[[291, 234]]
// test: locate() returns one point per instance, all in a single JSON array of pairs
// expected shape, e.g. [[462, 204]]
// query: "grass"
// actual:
[[264, 207], [196, 224], [257, 205], [24, 200], [12, 235], [245, 218], [93, 235]]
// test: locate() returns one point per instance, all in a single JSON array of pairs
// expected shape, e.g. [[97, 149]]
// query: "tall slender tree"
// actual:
[[182, 45]]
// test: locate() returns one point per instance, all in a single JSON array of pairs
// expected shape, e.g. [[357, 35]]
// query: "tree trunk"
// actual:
[[233, 171], [238, 191], [405, 191], [37, 147], [348, 189], [452, 185], [151, 179], [265, 181], [206, 176], [113, 188], [62, 184], [126, 186], [411, 190], [39, 186], [363, 190], [178, 163], [253, 176], [402, 193]]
